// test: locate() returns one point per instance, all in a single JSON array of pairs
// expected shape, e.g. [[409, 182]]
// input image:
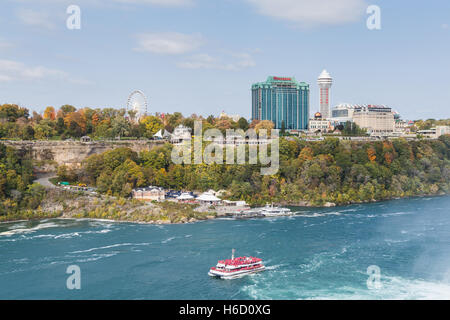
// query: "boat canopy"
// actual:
[[206, 196], [185, 196]]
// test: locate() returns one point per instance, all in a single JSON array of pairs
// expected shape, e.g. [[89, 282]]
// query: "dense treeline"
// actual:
[[430, 123], [107, 123], [318, 172], [17, 193]]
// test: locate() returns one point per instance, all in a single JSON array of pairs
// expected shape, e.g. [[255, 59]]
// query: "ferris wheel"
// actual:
[[137, 102]]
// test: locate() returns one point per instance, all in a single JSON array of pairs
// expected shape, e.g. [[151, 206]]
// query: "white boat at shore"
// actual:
[[247, 214], [271, 211], [267, 211]]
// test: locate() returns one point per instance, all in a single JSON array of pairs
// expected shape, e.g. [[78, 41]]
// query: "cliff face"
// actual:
[[72, 153]]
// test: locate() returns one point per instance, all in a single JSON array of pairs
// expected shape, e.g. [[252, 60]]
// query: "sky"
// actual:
[[202, 56]]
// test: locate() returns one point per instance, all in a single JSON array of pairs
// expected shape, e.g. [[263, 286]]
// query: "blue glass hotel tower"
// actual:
[[281, 99]]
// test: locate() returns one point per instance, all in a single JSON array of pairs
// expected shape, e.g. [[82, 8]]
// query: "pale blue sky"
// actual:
[[201, 56]]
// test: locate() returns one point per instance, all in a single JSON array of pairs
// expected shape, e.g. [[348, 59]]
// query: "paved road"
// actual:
[[43, 180]]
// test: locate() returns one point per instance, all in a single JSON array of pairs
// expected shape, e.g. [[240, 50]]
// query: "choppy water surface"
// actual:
[[318, 254]]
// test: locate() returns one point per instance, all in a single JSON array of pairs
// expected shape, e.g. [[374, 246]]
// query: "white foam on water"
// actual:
[[111, 246], [20, 260], [274, 267], [67, 235], [168, 240], [391, 214], [46, 225], [97, 232], [348, 210], [18, 226], [320, 259], [261, 235], [20, 230], [96, 222], [393, 288], [321, 214], [41, 236], [24, 231], [396, 240], [287, 283], [96, 257], [13, 232]]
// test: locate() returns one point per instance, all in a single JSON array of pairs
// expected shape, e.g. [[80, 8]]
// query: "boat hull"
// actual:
[[234, 275], [277, 214], [248, 215]]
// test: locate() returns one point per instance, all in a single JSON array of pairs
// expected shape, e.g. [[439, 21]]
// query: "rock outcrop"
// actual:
[[72, 153]]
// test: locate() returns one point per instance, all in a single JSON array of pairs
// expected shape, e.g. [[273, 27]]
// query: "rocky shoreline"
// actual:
[[332, 204], [68, 205]]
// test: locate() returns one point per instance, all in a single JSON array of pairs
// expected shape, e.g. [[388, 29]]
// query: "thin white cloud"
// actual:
[[198, 61], [168, 42], [308, 13], [235, 62], [17, 71], [444, 26], [5, 44], [34, 18], [244, 60], [13, 70]]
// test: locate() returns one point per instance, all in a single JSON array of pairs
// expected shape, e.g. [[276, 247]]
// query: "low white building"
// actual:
[[442, 130], [435, 133], [180, 134], [401, 126], [150, 193], [343, 113], [207, 197], [185, 197], [318, 124]]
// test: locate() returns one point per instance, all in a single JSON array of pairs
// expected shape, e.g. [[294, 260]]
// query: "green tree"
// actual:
[[120, 127], [243, 124], [151, 125]]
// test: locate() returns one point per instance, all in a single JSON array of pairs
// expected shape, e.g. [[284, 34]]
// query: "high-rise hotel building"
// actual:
[[281, 99], [324, 81]]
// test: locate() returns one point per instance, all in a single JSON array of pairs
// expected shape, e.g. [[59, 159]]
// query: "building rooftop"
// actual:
[[373, 108], [207, 196], [149, 188], [324, 75], [273, 81]]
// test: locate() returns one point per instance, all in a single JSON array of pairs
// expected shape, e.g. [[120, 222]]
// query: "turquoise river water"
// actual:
[[321, 253]]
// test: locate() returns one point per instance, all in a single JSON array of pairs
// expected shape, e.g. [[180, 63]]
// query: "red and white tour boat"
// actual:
[[236, 267]]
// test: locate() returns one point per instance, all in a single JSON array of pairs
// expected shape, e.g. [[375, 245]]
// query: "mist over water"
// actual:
[[318, 254]]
